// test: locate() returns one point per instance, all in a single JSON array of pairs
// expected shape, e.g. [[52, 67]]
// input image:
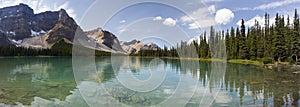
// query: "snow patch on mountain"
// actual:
[[34, 33], [16, 42]]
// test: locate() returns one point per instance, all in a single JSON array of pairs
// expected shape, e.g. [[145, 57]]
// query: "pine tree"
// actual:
[[227, 43], [232, 44], [260, 41], [253, 42], [295, 39], [212, 41], [267, 36], [288, 31], [244, 53], [237, 43], [279, 47]]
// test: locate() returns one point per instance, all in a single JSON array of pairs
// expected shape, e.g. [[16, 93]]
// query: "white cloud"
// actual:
[[200, 18], [40, 6], [66, 6], [275, 4], [251, 22], [170, 22], [224, 16], [271, 5], [212, 8], [157, 18], [122, 21], [186, 19], [261, 21], [196, 38]]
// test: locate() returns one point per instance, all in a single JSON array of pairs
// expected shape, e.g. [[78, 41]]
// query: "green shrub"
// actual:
[[291, 60], [268, 60]]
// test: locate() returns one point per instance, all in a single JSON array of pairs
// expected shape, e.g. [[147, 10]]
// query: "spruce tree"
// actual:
[[244, 53], [237, 43], [295, 39], [227, 43], [267, 36], [279, 47], [232, 43]]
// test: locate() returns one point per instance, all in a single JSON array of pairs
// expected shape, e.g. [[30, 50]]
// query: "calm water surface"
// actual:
[[52, 82]]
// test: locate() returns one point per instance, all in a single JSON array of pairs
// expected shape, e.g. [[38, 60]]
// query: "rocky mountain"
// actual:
[[135, 46], [19, 26], [63, 29], [3, 39], [20, 22], [104, 40]]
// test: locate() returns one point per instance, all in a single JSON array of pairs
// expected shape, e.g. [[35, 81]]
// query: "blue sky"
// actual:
[[162, 20]]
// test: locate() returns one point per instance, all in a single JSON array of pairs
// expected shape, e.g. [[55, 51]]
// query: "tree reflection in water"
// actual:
[[35, 81]]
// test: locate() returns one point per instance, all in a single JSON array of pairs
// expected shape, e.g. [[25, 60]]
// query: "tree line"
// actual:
[[61, 48], [279, 41]]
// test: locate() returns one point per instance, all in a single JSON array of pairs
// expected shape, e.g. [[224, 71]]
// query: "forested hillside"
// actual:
[[279, 41]]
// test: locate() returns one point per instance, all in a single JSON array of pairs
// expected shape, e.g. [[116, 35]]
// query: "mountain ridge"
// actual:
[[21, 27]]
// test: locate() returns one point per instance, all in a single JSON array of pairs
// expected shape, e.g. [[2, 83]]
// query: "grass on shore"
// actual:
[[236, 61], [240, 61]]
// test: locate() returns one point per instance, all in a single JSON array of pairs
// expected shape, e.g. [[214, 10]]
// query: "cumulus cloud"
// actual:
[[200, 18], [40, 6], [224, 16], [170, 22], [157, 18]]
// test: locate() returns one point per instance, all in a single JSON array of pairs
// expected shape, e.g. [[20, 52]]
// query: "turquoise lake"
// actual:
[[138, 82]]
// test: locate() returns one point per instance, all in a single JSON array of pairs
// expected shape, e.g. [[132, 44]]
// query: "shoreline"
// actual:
[[42, 56], [234, 61], [269, 66]]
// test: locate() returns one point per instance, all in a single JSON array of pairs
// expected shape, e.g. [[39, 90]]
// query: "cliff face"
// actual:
[[19, 26], [3, 39], [135, 46], [104, 39], [20, 22]]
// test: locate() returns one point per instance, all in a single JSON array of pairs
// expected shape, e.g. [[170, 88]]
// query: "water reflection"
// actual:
[[36, 81], [22, 79]]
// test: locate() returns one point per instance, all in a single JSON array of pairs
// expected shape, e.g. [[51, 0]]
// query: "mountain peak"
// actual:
[[16, 10], [63, 14], [19, 22], [22, 4]]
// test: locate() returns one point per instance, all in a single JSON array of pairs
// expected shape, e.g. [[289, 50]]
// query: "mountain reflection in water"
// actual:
[[50, 81]]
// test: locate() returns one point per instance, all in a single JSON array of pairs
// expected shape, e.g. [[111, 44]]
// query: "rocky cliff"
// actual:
[[20, 22], [19, 26]]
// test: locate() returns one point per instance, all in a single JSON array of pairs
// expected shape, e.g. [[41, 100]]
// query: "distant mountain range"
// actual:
[[20, 27]]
